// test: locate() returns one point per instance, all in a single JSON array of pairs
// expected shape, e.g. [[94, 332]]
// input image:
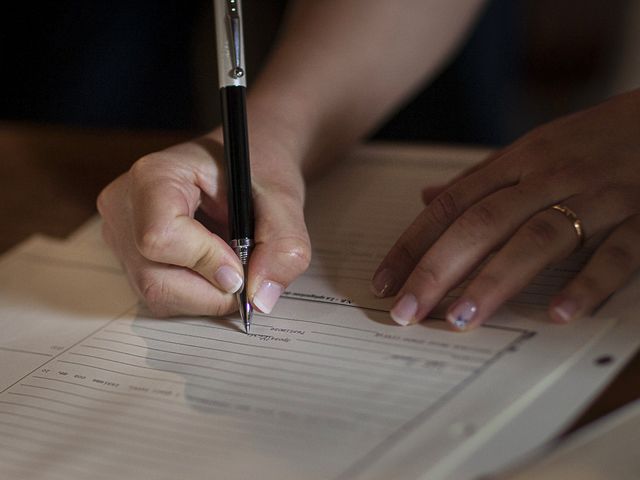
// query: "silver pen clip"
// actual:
[[235, 37]]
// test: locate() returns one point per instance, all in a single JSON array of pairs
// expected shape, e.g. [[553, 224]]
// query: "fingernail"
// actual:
[[228, 279], [404, 312], [383, 283], [461, 314], [565, 310], [267, 296]]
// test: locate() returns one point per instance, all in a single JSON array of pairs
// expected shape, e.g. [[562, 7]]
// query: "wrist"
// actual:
[[279, 125]]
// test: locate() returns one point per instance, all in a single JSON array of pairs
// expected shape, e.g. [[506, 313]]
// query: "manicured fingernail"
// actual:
[[383, 282], [461, 314], [267, 296], [228, 279], [565, 310], [404, 312]]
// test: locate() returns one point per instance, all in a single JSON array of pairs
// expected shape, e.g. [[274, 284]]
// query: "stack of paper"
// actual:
[[324, 388]]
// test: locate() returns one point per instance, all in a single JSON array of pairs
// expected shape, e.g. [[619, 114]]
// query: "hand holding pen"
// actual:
[[175, 264]]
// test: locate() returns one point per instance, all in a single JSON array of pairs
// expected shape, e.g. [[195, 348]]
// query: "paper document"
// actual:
[[326, 387], [607, 450]]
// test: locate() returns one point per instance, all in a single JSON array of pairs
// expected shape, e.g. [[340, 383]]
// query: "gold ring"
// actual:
[[576, 222]]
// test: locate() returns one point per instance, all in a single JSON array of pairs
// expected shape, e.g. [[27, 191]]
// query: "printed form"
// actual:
[[326, 387]]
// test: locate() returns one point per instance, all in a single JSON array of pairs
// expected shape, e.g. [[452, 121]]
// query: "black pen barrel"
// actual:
[[236, 152]]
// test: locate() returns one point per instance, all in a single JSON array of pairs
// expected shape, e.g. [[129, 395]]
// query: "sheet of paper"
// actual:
[[321, 389], [605, 451]]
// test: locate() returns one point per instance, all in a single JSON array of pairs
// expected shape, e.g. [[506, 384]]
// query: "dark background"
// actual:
[[150, 64]]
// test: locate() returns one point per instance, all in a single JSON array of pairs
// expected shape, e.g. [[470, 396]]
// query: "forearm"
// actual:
[[341, 66]]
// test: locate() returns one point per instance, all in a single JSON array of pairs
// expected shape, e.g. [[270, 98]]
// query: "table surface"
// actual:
[[50, 177]]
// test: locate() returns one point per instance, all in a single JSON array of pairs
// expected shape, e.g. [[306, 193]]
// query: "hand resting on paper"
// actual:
[[588, 163], [175, 264]]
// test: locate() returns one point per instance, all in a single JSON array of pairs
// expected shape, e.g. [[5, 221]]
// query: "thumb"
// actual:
[[283, 248]]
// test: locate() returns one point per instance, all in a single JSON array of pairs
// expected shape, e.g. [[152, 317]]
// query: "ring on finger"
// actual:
[[575, 221]]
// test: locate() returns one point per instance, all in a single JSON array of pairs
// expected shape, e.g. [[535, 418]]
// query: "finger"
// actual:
[[283, 248], [429, 193], [434, 220], [168, 290], [464, 245], [546, 238], [609, 268], [476, 233], [166, 232], [473, 236]]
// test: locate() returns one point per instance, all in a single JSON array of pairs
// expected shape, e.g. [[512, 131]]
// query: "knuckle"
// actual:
[[539, 233], [426, 276], [105, 198], [102, 201], [150, 168], [444, 209], [479, 218], [204, 261], [142, 166], [409, 253], [297, 251], [152, 242]]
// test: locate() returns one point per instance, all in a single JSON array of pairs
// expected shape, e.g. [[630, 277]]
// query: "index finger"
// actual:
[[434, 220], [166, 232]]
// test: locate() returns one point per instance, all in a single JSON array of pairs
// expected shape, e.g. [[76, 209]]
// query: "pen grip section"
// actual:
[[236, 152]]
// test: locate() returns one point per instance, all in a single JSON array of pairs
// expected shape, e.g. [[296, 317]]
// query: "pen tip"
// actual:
[[247, 317], [246, 310]]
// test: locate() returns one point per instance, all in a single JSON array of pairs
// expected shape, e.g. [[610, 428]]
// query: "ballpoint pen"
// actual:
[[233, 85]]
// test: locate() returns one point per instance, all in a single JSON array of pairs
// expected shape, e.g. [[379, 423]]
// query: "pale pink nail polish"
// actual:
[[267, 296], [565, 310], [383, 283], [404, 311], [461, 313], [228, 279]]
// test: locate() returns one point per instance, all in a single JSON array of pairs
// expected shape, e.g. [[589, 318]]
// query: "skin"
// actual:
[[302, 121], [588, 161], [171, 259]]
